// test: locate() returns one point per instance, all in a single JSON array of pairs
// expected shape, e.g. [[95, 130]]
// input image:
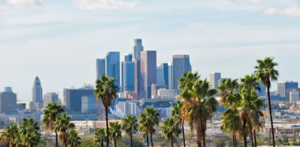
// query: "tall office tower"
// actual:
[[112, 66], [37, 93], [214, 79], [128, 76], [50, 98], [128, 58], [163, 74], [148, 72], [137, 49], [138, 79], [8, 101], [181, 65], [170, 72], [100, 67], [73, 98], [283, 87]]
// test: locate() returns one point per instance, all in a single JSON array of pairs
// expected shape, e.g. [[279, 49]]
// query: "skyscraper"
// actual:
[[37, 93], [50, 98], [163, 74], [170, 72], [138, 79], [128, 76], [284, 87], [100, 67], [214, 79], [181, 65], [137, 49], [73, 98], [112, 66], [148, 72], [8, 101]]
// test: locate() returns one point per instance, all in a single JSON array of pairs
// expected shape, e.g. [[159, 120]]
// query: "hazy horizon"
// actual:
[[59, 41]]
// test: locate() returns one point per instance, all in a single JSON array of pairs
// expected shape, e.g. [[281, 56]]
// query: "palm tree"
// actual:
[[49, 117], [30, 132], [266, 73], [129, 126], [10, 135], [227, 88], [100, 137], [170, 130], [143, 128], [148, 120], [115, 132], [176, 115], [62, 125], [106, 91], [73, 139]]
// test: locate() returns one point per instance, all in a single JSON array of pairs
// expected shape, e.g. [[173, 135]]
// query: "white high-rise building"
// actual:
[[37, 95], [214, 79], [127, 108], [294, 96], [167, 93]]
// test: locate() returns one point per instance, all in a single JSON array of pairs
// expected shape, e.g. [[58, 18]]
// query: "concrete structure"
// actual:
[[167, 93], [8, 101], [112, 66], [214, 79], [37, 95], [50, 98], [137, 49], [155, 88], [73, 98], [163, 74], [148, 72], [284, 86], [100, 68], [294, 96], [181, 65], [89, 104], [127, 108], [170, 73]]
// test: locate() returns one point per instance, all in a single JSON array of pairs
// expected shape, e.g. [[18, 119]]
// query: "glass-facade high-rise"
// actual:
[[112, 66], [163, 74], [214, 79], [50, 98], [8, 101], [285, 87], [181, 65], [100, 68], [147, 72], [137, 49], [128, 76], [73, 98]]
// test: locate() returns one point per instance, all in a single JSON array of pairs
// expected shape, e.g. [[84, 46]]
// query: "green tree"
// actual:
[[100, 137], [115, 132], [106, 91], [130, 126], [73, 139], [49, 117], [10, 135], [148, 120], [176, 115], [265, 72], [62, 125], [170, 130], [30, 132]]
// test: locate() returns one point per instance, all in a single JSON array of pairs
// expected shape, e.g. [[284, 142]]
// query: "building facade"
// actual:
[[181, 65], [137, 49], [89, 104], [100, 68], [148, 72], [73, 98], [112, 66], [8, 101], [163, 74], [50, 98], [214, 79]]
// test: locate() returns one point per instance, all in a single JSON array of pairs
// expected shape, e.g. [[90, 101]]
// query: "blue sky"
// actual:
[[59, 40]]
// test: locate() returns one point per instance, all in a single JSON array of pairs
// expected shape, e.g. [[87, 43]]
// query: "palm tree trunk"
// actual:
[[151, 137], [244, 133], [147, 140], [102, 144], [131, 139], [251, 136], [203, 137], [107, 131], [115, 142], [183, 136], [56, 139], [171, 141], [254, 135], [65, 142], [234, 141], [270, 111], [199, 144]]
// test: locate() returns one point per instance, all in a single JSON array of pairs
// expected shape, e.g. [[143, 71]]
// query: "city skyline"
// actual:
[[62, 49]]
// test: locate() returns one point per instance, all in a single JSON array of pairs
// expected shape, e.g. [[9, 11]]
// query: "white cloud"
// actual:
[[105, 4], [23, 2], [248, 1], [289, 11]]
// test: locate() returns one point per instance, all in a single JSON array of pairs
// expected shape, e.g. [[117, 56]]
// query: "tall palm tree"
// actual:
[[170, 130], [130, 126], [10, 135], [73, 139], [62, 125], [148, 120], [30, 131], [265, 72], [49, 117], [115, 132], [106, 91], [100, 137], [176, 115], [227, 88], [143, 128]]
